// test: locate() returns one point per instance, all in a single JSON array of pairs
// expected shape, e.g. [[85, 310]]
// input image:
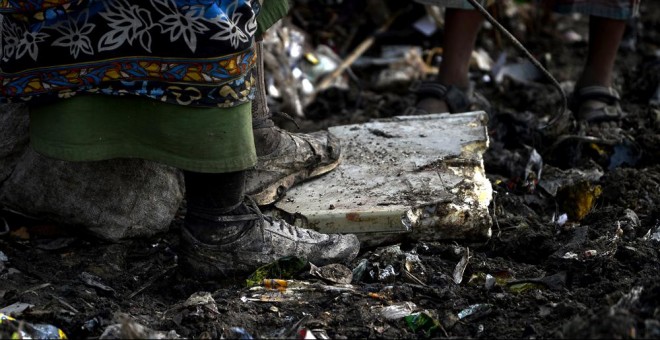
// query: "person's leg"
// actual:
[[604, 38], [594, 99], [461, 29], [284, 158]]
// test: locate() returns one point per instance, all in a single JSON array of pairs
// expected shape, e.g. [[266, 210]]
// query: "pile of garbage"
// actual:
[[575, 220]]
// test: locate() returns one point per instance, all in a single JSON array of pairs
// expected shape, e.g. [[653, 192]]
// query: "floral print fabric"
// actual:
[[187, 52]]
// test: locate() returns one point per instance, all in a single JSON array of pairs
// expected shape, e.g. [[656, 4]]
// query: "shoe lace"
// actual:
[[283, 225], [287, 117], [267, 122]]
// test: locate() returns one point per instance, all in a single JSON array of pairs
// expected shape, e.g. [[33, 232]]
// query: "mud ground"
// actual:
[[595, 276]]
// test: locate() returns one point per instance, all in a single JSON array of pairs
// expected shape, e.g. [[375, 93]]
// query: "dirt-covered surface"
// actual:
[[593, 274]]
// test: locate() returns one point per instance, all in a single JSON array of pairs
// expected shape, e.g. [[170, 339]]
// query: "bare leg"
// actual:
[[461, 29], [603, 112], [604, 38]]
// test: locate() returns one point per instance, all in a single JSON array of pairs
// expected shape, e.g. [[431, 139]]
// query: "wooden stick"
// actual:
[[359, 50]]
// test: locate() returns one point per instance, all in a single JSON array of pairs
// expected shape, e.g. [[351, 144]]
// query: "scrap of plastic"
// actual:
[[25, 330], [624, 154], [628, 300], [490, 282], [571, 36], [238, 333], [555, 179], [320, 334], [482, 59], [426, 25], [91, 325], [398, 310], [525, 286], [475, 311], [360, 269], [276, 290], [655, 100], [128, 328], [305, 334], [423, 322], [414, 269], [561, 220], [16, 309], [323, 61], [284, 268], [387, 274], [276, 284], [460, 267], [523, 72], [334, 272], [533, 170], [201, 304], [579, 199], [95, 282], [406, 65], [653, 235], [199, 298]]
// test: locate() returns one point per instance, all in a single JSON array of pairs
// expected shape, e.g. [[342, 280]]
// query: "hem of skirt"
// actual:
[[116, 151], [597, 11]]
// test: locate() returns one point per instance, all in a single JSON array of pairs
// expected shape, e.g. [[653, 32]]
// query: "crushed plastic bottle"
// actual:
[[24, 330]]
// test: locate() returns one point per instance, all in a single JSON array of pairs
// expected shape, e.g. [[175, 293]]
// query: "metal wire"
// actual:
[[563, 109]]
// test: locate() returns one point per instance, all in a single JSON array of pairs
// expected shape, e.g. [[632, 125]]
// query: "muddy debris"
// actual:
[[574, 248]]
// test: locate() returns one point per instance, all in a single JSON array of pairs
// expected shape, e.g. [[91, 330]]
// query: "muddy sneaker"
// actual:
[[228, 245], [295, 158]]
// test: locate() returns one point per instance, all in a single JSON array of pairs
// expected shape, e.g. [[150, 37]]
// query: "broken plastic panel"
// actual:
[[418, 176]]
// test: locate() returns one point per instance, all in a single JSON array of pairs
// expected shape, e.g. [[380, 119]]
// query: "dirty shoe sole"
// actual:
[[276, 190]]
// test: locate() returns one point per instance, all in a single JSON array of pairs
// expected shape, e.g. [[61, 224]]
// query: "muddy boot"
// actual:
[[284, 158], [224, 236]]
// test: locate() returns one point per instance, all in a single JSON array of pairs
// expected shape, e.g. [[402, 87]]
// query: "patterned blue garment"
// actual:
[[196, 52]]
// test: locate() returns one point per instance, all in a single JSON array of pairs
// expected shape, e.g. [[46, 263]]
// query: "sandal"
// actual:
[[456, 99], [598, 112], [596, 104]]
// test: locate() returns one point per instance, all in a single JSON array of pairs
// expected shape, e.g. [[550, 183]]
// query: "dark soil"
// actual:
[[596, 276]]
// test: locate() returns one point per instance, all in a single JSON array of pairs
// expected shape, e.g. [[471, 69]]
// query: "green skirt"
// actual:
[[96, 127]]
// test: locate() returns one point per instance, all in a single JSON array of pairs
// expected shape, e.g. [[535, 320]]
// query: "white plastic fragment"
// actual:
[[398, 310], [16, 309], [460, 267], [418, 176]]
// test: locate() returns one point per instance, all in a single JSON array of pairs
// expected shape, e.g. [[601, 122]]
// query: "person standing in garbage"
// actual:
[[593, 101], [172, 81]]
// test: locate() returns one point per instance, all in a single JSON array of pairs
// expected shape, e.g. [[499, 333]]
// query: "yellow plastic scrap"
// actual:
[[311, 58], [284, 268], [579, 199], [276, 284], [26, 330], [525, 286], [598, 149]]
